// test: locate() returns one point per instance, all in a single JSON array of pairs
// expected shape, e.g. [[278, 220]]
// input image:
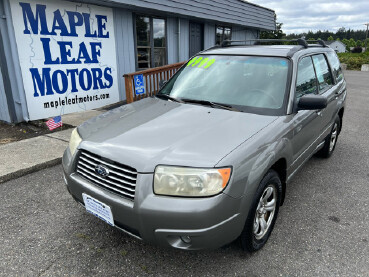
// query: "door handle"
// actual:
[[340, 92]]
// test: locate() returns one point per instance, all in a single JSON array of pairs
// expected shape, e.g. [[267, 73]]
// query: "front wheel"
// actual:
[[263, 213]]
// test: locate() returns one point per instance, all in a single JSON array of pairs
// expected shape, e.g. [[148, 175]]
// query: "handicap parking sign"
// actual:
[[139, 84]]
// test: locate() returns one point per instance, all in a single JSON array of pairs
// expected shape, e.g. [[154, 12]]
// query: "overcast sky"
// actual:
[[302, 15]]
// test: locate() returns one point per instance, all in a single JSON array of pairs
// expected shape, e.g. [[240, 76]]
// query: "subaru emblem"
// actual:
[[102, 170]]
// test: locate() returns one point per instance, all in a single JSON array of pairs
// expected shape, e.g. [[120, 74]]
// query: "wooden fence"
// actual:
[[151, 77]]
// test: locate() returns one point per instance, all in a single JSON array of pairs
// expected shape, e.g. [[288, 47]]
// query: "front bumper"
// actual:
[[208, 222]]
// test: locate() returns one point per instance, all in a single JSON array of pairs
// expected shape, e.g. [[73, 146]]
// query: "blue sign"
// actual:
[[139, 84]]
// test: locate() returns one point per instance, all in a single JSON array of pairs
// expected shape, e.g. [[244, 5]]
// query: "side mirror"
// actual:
[[162, 83], [312, 102]]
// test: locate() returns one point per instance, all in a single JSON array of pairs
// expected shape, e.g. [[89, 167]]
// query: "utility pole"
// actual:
[[366, 37]]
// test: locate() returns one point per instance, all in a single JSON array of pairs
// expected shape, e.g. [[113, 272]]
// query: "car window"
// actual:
[[306, 79], [322, 72], [248, 83], [336, 66]]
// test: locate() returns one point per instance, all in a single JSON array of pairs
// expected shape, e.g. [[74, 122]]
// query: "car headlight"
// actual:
[[190, 182], [75, 140]]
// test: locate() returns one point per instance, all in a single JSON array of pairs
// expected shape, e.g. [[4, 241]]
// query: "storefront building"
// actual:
[[59, 57]]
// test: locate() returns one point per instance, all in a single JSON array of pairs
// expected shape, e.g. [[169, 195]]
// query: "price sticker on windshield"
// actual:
[[200, 62]]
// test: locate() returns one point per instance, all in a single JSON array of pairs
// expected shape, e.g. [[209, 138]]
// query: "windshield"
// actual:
[[248, 83]]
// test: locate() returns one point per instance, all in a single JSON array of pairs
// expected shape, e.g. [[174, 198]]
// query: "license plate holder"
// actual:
[[98, 209]]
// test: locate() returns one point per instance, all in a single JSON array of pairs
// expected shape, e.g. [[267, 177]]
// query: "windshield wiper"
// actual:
[[168, 97], [210, 103]]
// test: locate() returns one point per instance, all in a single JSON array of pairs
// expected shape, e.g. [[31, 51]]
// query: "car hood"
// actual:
[[153, 131]]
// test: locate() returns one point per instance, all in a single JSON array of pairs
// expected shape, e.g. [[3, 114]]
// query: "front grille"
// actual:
[[121, 178]]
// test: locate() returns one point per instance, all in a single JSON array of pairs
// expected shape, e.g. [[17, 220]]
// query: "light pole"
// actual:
[[366, 36]]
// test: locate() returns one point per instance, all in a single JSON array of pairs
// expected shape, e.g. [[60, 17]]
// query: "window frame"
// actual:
[[336, 81], [222, 37], [297, 72], [319, 92], [330, 72], [151, 37]]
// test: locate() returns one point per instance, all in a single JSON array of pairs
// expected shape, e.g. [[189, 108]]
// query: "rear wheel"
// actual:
[[331, 140], [263, 213]]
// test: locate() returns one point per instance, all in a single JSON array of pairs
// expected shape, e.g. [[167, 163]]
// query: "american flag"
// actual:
[[54, 123]]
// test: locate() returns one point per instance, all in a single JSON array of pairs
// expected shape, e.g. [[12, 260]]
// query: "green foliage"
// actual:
[[341, 34], [277, 34], [352, 42], [366, 44], [354, 60], [351, 38], [347, 43]]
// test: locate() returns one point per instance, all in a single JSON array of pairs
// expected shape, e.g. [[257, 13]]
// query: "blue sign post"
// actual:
[[139, 84]]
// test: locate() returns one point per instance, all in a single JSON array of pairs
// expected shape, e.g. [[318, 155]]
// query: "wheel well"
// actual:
[[340, 114], [281, 168]]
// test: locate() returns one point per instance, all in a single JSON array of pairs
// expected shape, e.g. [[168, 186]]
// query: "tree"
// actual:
[[330, 38], [276, 34], [352, 42], [341, 33], [359, 43], [310, 36], [346, 42]]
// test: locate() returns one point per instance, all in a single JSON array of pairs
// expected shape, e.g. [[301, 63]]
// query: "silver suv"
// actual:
[[207, 160]]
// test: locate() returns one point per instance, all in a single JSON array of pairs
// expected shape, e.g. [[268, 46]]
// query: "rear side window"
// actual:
[[336, 66], [322, 72], [306, 79]]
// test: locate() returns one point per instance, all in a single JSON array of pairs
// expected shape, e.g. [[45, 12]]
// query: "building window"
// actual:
[[150, 42], [222, 33]]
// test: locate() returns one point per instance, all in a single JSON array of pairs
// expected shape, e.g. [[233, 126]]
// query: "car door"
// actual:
[[340, 83], [306, 124], [327, 89]]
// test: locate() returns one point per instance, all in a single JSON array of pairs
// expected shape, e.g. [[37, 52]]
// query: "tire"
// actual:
[[253, 237], [330, 140]]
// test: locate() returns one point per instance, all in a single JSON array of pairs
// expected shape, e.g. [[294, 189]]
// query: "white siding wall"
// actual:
[[209, 35], [239, 33], [172, 37], [125, 45], [338, 47], [184, 47], [4, 112], [231, 11], [13, 67]]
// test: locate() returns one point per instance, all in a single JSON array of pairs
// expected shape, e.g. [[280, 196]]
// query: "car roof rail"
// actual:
[[300, 41]]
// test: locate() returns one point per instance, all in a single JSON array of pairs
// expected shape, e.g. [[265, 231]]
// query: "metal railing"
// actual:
[[152, 78]]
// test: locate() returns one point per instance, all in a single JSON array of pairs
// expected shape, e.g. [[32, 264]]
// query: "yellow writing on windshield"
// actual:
[[200, 62]]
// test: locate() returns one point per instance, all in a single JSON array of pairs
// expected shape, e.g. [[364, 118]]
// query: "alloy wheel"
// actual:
[[333, 139], [265, 211]]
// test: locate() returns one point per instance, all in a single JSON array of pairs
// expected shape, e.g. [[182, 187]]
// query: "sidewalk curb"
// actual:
[[32, 169], [18, 155]]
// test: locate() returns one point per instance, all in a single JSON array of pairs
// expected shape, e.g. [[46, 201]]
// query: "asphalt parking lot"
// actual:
[[322, 229]]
